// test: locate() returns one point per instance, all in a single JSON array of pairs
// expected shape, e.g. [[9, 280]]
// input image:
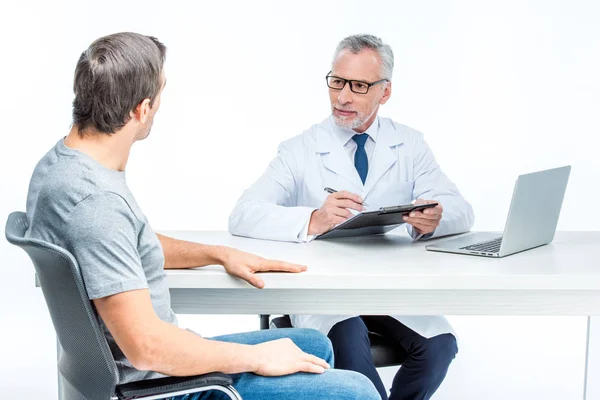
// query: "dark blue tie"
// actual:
[[361, 163]]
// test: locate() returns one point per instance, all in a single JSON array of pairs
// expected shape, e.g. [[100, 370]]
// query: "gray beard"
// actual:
[[352, 124], [348, 124]]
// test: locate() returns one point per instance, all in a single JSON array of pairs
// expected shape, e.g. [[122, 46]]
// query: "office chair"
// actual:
[[384, 352], [87, 369]]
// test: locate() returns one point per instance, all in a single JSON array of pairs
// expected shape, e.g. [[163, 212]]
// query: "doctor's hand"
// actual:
[[334, 211], [245, 265], [425, 221]]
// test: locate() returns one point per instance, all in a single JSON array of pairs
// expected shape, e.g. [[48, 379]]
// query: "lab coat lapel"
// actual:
[[336, 159], [384, 157]]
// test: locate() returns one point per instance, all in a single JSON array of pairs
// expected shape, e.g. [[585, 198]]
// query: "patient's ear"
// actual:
[[142, 111]]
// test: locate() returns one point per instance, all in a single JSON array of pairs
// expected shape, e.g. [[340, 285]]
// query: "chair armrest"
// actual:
[[149, 387]]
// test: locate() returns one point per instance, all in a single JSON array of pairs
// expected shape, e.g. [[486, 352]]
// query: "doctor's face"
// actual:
[[352, 110]]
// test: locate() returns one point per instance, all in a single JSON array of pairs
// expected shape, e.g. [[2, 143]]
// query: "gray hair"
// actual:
[[114, 75], [356, 43]]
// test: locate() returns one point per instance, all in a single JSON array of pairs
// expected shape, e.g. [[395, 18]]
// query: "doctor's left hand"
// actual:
[[425, 221], [245, 265]]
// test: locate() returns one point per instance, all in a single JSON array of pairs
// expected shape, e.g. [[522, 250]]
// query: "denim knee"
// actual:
[[323, 346], [357, 387], [314, 342]]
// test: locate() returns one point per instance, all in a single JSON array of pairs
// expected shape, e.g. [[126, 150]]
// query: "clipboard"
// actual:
[[375, 222]]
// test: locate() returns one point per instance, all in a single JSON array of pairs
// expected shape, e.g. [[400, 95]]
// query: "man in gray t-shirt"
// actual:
[[78, 199], [80, 205]]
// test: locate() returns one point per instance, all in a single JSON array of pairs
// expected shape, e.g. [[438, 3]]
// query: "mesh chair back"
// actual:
[[86, 365]]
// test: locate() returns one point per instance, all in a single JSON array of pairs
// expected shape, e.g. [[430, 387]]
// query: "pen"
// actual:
[[330, 190]]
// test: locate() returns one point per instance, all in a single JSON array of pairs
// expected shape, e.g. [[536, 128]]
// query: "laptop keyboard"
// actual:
[[489, 246]]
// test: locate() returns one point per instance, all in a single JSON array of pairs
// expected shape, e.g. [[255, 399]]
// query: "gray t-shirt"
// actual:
[[78, 204]]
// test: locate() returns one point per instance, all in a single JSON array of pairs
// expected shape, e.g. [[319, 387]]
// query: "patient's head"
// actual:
[[118, 77]]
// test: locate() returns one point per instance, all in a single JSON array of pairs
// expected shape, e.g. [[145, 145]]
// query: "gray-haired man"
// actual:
[[370, 158]]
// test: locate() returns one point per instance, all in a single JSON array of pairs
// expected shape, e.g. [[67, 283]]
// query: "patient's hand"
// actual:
[[425, 221], [245, 265], [283, 357]]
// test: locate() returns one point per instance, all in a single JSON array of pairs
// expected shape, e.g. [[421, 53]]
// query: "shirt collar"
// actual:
[[345, 135]]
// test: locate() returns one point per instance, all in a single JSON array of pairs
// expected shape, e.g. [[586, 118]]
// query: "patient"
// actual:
[[78, 199]]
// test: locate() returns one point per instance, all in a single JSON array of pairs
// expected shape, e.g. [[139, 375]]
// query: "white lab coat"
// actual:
[[402, 168]]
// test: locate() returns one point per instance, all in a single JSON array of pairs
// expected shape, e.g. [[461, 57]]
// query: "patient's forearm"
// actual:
[[183, 254], [173, 351]]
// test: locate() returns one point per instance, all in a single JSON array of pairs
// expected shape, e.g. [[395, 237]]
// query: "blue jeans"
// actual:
[[332, 384]]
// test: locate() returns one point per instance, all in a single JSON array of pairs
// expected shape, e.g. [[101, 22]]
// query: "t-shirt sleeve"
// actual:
[[102, 236]]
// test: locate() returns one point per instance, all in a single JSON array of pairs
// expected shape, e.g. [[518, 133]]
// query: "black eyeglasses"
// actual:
[[360, 87]]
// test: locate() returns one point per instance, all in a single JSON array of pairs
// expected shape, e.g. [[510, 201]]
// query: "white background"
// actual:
[[498, 88]]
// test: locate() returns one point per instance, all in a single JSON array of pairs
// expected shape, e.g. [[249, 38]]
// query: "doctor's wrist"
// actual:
[[315, 226]]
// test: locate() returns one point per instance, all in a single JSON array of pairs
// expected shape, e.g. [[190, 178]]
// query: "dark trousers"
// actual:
[[422, 372]]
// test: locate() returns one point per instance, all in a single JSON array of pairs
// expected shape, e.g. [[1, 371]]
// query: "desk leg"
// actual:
[[591, 387], [58, 351]]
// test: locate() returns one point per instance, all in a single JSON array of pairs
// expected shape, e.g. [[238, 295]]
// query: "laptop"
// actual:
[[531, 222]]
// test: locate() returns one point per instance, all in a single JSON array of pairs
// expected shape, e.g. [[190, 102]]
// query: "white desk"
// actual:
[[392, 275]]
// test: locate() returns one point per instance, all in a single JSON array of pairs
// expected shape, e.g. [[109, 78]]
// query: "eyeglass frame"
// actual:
[[369, 85]]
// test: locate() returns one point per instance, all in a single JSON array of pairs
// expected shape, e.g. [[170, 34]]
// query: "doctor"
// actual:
[[367, 159]]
